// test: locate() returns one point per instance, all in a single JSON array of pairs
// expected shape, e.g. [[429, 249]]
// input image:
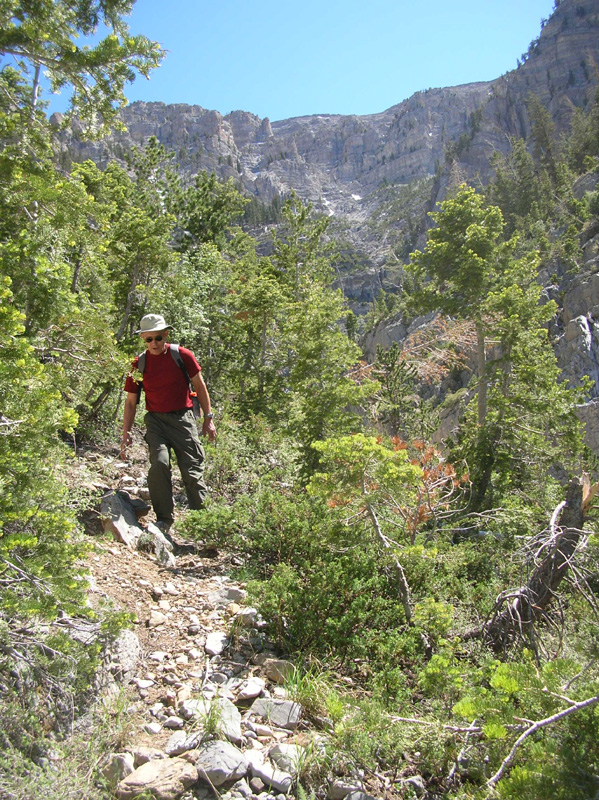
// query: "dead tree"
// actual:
[[518, 610]]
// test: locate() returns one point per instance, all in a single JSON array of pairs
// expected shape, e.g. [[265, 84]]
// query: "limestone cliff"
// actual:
[[338, 161]]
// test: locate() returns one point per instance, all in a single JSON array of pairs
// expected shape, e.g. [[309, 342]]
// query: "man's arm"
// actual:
[[199, 386], [129, 419]]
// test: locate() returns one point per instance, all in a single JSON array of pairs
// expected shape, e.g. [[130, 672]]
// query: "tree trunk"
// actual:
[[99, 401], [35, 89], [263, 346], [404, 589], [77, 270], [129, 305], [481, 362]]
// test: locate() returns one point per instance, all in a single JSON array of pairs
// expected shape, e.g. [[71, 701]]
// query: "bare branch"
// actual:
[[537, 726], [9, 424], [462, 754], [582, 672], [404, 589], [24, 576], [453, 728], [518, 610]]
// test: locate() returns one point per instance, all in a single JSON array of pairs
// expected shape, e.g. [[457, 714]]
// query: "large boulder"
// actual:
[[120, 519]]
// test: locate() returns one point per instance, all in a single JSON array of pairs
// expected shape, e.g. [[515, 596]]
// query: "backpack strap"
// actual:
[[197, 412], [177, 358], [141, 365]]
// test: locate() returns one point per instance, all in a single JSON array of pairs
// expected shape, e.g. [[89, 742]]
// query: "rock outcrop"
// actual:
[[577, 338]]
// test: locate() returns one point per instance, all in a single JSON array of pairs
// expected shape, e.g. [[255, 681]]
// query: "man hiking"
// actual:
[[170, 374]]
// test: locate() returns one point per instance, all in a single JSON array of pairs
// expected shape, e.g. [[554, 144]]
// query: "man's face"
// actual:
[[155, 341]]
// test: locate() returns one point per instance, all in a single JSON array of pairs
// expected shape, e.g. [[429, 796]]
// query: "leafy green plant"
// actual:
[[212, 720], [369, 736], [39, 551]]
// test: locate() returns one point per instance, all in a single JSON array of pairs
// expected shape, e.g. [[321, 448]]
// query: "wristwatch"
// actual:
[[209, 415]]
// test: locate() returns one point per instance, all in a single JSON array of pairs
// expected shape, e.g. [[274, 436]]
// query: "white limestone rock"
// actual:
[[228, 717], [250, 688], [120, 519], [288, 757], [272, 778], [119, 766], [281, 713], [278, 670], [215, 643]]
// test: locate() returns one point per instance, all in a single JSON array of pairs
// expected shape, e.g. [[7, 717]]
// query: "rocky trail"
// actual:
[[211, 716]]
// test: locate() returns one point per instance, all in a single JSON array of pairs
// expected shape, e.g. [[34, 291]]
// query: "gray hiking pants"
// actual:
[[177, 431]]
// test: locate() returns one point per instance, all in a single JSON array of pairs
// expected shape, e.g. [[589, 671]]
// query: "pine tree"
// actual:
[[43, 37], [463, 261], [524, 424]]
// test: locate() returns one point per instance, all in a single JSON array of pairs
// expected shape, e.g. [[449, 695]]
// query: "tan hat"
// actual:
[[151, 323]]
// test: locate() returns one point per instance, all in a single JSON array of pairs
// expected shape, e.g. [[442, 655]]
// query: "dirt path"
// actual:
[[175, 610]]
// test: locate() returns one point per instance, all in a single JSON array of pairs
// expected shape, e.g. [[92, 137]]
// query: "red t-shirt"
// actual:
[[165, 385]]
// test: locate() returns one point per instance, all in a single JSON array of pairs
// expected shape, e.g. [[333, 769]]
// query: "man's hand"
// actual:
[[208, 429], [126, 441], [128, 421]]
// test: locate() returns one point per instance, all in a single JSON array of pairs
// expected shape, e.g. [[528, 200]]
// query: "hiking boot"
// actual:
[[164, 525]]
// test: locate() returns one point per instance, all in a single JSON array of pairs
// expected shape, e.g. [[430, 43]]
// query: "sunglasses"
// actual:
[[149, 339]]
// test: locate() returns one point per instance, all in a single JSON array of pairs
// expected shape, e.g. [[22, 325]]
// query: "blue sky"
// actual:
[[282, 59]]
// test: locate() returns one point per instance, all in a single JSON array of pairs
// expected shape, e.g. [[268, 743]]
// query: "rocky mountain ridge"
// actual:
[[376, 175], [338, 161]]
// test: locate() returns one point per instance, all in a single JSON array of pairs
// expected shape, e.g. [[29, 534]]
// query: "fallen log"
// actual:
[[518, 610]]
